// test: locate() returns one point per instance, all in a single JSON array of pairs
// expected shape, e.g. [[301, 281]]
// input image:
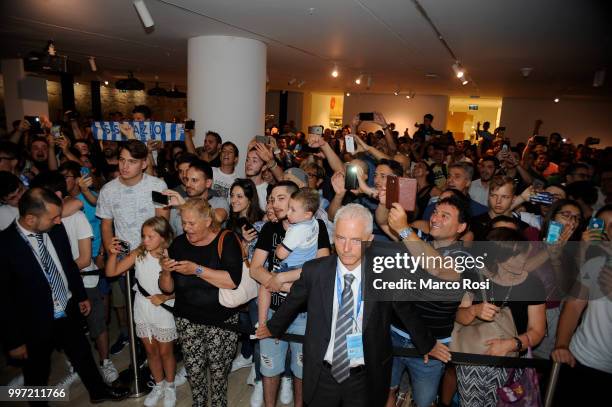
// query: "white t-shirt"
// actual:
[[302, 241], [129, 206], [222, 182], [479, 193], [591, 343], [262, 194], [78, 228], [8, 214]]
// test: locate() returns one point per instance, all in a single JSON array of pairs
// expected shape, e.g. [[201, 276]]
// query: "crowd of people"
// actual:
[[77, 214]]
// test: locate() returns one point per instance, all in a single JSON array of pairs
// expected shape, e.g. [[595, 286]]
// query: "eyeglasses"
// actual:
[[569, 216]]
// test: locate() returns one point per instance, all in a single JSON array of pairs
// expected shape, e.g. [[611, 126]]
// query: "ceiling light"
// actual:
[[396, 93], [335, 72], [407, 96], [291, 81], [556, 100], [130, 83], [157, 91], [301, 83], [106, 83], [348, 94], [143, 13], [92, 64], [465, 81], [458, 70], [358, 80]]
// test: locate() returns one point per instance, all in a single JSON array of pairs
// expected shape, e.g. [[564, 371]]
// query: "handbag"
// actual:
[[246, 290], [523, 391], [471, 338]]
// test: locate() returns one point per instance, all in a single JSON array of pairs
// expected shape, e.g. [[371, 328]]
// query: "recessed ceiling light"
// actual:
[[358, 80], [335, 72], [431, 75], [556, 100], [106, 83], [348, 93]]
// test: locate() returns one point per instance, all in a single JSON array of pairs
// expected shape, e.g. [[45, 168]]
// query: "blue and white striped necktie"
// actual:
[[58, 289]]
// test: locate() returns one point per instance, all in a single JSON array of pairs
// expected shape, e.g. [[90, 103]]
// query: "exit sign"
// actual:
[[472, 107]]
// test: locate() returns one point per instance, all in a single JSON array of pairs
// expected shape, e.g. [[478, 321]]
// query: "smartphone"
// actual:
[[544, 198], [262, 139], [160, 198], [349, 142], [366, 117], [540, 140], [505, 148], [554, 232], [125, 247], [189, 124], [56, 131], [350, 178], [85, 171], [598, 225], [317, 130], [401, 190], [243, 222], [592, 140], [34, 123]]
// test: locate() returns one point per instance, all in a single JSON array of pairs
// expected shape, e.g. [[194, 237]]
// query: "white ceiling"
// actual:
[[565, 41]]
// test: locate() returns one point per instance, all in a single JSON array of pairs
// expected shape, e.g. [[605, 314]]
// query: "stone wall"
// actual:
[[163, 108]]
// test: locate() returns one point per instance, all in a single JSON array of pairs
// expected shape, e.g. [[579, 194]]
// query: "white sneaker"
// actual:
[[257, 398], [251, 377], [286, 390], [156, 394], [169, 395], [67, 381], [180, 378], [109, 371], [241, 362], [17, 381]]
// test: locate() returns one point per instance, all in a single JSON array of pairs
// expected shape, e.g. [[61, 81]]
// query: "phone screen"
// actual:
[[366, 117], [261, 139], [350, 179], [159, 198], [84, 171], [318, 130], [189, 124]]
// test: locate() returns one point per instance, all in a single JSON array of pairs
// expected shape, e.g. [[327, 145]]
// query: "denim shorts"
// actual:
[[424, 378], [273, 352]]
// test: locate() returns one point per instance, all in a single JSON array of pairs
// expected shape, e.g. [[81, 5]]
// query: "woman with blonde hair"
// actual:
[[200, 262]]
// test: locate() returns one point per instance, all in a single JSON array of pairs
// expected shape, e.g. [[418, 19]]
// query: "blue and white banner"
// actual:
[[143, 131]]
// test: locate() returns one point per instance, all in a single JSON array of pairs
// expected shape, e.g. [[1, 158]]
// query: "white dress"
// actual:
[[150, 320]]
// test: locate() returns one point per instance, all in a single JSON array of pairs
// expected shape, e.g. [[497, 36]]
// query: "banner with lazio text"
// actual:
[[143, 131]]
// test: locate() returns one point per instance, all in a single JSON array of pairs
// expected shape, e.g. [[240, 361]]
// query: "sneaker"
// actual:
[[156, 394], [180, 378], [241, 362], [17, 381], [67, 381], [169, 395], [251, 378], [257, 397], [118, 346], [109, 371], [286, 390]]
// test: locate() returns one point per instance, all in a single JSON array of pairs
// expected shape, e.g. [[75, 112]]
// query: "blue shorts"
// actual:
[[424, 378], [273, 352]]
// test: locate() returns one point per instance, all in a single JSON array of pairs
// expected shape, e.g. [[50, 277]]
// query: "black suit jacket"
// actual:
[[315, 291], [25, 295]]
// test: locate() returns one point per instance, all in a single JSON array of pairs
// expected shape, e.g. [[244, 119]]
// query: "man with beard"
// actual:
[[543, 167], [110, 149], [198, 181], [264, 265], [212, 149], [479, 189]]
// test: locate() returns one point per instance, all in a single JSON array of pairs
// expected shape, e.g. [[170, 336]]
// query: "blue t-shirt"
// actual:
[[94, 221]]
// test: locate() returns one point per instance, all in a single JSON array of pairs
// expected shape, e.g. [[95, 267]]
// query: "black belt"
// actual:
[[352, 370]]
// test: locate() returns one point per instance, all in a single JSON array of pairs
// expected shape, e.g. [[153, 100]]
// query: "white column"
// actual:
[[23, 95], [226, 89]]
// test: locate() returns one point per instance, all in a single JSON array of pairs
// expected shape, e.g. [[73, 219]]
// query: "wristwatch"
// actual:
[[404, 233], [519, 344], [199, 271]]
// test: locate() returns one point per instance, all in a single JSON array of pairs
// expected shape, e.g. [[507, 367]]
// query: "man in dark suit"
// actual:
[[347, 345], [42, 294]]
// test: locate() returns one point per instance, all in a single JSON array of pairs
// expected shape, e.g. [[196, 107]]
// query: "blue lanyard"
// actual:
[[339, 295]]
